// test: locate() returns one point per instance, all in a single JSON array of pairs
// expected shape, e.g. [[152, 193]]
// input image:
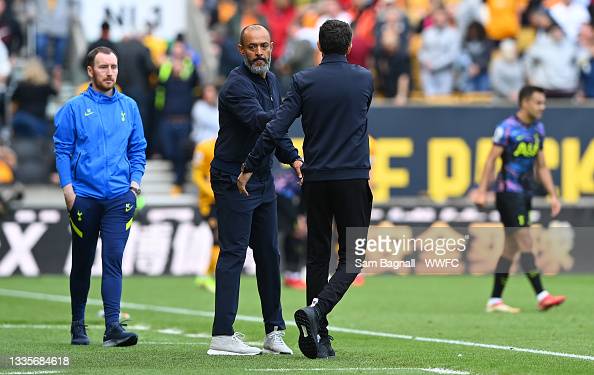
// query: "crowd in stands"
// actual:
[[425, 48], [416, 49]]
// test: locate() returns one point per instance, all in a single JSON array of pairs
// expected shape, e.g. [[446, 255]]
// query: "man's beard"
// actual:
[[100, 86], [255, 68]]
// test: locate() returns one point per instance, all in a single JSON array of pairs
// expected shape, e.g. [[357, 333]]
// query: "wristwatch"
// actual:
[[136, 190]]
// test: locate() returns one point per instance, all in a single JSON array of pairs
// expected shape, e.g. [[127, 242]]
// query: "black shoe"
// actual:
[[78, 333], [325, 349], [308, 322], [116, 335]]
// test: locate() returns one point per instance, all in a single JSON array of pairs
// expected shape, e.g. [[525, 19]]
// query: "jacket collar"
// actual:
[[333, 57], [100, 98]]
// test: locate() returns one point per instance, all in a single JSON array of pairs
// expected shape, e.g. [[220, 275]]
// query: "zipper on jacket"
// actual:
[[76, 164]]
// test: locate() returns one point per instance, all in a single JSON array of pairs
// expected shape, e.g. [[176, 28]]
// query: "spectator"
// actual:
[[361, 10], [298, 55], [437, 55], [529, 9], [192, 53], [586, 63], [365, 15], [178, 83], [570, 15], [103, 41], [205, 115], [551, 63], [474, 59], [5, 69], [394, 19], [156, 45], [427, 15], [279, 14], [540, 21], [52, 18], [503, 20], [467, 12], [10, 30], [229, 57], [29, 102], [8, 163], [507, 72], [331, 10], [392, 63], [136, 67], [248, 13]]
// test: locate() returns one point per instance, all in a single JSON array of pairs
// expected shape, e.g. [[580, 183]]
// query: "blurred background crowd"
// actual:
[[420, 51]]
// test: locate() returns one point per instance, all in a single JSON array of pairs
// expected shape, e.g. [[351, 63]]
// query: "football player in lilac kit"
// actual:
[[518, 141]]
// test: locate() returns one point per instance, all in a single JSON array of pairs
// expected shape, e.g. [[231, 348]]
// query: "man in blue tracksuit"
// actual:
[[247, 101], [100, 157], [332, 100]]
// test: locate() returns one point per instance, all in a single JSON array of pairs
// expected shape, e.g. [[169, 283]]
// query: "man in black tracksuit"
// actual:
[[333, 100], [247, 101]]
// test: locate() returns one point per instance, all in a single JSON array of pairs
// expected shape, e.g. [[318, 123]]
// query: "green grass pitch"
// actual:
[[174, 339]]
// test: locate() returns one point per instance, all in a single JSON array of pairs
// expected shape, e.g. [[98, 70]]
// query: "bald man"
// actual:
[[247, 101]]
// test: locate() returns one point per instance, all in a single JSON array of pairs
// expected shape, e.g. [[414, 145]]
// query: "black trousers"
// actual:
[[348, 202]]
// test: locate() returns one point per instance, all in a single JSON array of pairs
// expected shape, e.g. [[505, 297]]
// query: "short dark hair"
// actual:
[[249, 27], [90, 61], [335, 37], [527, 91]]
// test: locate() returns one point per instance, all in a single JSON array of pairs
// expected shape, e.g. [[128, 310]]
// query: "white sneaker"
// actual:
[[274, 343], [231, 345]]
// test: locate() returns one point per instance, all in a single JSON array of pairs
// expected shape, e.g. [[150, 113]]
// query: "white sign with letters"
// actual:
[[132, 16]]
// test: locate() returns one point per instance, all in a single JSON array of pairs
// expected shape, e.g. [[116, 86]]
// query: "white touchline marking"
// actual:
[[444, 371], [141, 342], [67, 326], [199, 335], [31, 372], [171, 331], [44, 326], [96, 326], [207, 314], [360, 369], [139, 327]]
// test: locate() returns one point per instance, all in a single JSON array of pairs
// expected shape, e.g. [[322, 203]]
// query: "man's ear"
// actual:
[[240, 49], [90, 71], [350, 48], [320, 47]]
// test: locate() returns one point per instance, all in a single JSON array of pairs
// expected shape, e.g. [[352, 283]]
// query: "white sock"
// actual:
[[493, 301], [542, 295]]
